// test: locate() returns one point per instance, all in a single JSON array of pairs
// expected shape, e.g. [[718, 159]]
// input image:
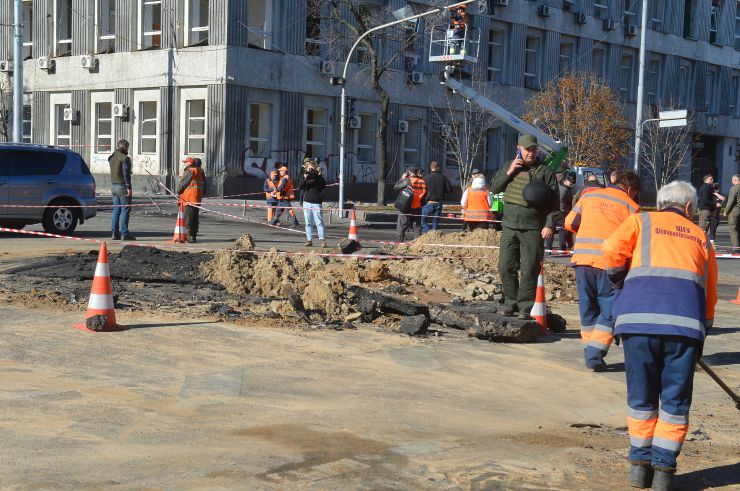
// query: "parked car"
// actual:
[[56, 181]]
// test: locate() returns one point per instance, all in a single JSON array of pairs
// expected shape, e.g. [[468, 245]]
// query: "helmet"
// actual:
[[536, 193], [462, 7]]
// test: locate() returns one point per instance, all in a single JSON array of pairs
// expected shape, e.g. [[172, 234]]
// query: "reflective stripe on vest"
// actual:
[[476, 207]]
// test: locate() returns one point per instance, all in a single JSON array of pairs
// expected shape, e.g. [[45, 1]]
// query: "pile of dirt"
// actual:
[[245, 243]]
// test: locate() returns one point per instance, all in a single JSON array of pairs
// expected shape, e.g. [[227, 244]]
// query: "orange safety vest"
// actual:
[[459, 24], [670, 275], [419, 186], [270, 184], [594, 218], [287, 192], [194, 192], [477, 208]]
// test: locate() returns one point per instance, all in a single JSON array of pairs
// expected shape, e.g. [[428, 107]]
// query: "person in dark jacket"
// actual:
[[706, 201], [525, 226], [412, 219], [438, 187], [565, 238], [311, 186], [120, 185], [714, 213]]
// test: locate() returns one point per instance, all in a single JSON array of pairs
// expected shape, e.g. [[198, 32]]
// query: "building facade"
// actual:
[[244, 84]]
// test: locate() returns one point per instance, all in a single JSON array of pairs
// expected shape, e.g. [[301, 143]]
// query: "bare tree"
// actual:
[[465, 131], [6, 109], [665, 150], [585, 114]]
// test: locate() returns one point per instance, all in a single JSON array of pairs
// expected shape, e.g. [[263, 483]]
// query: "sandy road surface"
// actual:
[[177, 403]]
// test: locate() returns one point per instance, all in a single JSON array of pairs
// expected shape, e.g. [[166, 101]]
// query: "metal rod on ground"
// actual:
[[719, 381]]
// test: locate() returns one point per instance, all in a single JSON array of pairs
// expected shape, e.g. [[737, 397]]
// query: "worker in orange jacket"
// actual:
[[285, 198], [270, 189], [190, 187], [667, 274], [476, 205], [415, 179], [593, 219], [459, 18]]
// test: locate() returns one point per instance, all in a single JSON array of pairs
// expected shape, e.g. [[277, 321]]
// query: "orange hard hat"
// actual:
[[188, 160], [462, 7]]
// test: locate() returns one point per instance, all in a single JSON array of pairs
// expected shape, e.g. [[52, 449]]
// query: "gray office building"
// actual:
[[244, 84]]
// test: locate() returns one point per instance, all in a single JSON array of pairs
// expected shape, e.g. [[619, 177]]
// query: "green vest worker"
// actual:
[[529, 218]]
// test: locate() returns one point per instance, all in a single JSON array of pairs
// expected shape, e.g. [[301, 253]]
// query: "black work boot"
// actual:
[[641, 474], [509, 311], [663, 479]]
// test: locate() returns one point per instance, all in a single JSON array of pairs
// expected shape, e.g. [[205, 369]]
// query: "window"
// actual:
[[531, 62], [713, 22], [34, 163], [598, 61], [626, 67], [105, 26], [737, 26], [411, 144], [103, 127], [27, 128], [316, 133], [630, 12], [259, 129], [313, 28], [496, 54], [684, 83], [366, 140], [195, 131], [657, 7], [259, 20], [653, 81], [710, 89], [63, 27], [27, 29], [148, 127], [567, 48], [733, 96], [197, 22], [63, 133], [601, 9], [150, 13]]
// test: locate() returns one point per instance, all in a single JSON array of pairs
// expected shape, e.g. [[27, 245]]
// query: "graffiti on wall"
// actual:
[[260, 166]]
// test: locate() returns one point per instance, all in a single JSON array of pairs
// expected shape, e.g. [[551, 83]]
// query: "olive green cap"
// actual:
[[527, 141]]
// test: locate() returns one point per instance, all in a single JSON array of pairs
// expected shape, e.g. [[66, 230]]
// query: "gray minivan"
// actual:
[[54, 183]]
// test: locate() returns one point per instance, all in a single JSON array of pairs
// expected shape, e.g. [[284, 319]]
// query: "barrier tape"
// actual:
[[139, 205], [254, 194]]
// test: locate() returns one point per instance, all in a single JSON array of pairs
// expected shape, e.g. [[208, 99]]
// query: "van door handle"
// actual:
[[50, 182]]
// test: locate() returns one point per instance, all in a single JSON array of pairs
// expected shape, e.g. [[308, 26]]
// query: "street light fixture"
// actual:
[[343, 79]]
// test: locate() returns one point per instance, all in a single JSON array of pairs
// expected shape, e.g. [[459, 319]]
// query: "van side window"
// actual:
[[4, 165], [33, 163]]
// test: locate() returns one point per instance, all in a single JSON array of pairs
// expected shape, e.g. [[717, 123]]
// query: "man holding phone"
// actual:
[[531, 211]]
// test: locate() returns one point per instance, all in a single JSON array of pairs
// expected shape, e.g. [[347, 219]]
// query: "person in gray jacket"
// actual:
[[732, 211], [120, 185]]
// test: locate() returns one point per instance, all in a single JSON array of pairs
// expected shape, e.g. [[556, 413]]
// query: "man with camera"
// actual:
[[411, 186], [311, 185], [531, 211]]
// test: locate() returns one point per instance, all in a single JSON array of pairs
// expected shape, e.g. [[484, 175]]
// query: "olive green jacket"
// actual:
[[527, 217]]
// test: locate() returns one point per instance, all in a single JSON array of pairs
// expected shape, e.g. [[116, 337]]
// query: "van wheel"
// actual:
[[60, 220]]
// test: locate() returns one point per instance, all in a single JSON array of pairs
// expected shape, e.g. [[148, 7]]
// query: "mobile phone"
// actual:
[[519, 154]]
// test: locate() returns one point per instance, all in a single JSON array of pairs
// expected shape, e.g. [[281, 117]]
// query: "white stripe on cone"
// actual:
[[100, 301], [102, 269]]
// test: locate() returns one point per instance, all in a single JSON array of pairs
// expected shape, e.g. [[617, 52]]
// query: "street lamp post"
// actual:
[[343, 82], [640, 86], [18, 73]]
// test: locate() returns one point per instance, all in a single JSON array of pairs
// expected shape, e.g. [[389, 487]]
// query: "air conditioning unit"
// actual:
[[630, 30], [6, 66], [609, 24], [45, 63], [403, 126], [354, 122], [328, 68], [417, 77], [71, 115], [88, 62], [581, 18], [543, 11], [120, 111], [501, 3], [568, 4]]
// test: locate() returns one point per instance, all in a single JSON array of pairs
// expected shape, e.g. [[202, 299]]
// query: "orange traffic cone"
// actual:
[[539, 309], [181, 232], [353, 229], [101, 295], [737, 300]]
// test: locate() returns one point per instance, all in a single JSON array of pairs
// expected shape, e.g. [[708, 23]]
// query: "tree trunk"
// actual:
[[382, 145]]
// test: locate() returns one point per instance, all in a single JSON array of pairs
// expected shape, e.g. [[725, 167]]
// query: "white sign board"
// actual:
[[671, 123], [680, 114]]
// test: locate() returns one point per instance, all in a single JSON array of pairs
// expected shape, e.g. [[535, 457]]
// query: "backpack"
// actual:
[[404, 199]]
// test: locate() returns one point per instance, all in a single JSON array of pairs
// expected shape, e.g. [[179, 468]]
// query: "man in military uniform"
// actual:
[[526, 223]]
